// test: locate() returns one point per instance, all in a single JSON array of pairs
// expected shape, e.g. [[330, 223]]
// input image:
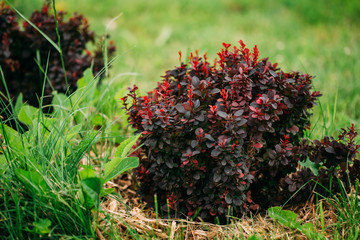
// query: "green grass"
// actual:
[[318, 38], [43, 192], [347, 205]]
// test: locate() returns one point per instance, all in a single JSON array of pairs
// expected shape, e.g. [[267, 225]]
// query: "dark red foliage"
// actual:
[[19, 49], [220, 136]]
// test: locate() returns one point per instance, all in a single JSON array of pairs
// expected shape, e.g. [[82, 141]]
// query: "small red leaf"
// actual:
[[187, 106], [259, 101], [254, 207], [212, 213]]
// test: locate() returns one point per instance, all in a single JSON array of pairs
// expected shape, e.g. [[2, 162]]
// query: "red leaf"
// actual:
[[259, 101], [252, 108], [212, 213], [226, 45], [254, 207], [187, 107]]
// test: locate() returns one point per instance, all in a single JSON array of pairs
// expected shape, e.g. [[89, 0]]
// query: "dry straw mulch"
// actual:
[[134, 216]]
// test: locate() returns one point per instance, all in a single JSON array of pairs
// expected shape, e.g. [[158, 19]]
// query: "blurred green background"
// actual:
[[320, 37]]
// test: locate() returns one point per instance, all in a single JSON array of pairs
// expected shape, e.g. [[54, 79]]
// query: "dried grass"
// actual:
[[144, 221]]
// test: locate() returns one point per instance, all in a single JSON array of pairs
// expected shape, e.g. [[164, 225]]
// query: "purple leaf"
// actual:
[[215, 90], [222, 114], [242, 122], [330, 149], [197, 176], [196, 103], [217, 177], [237, 202], [227, 170], [209, 137], [292, 188], [228, 199], [288, 103], [194, 143], [195, 81], [200, 117], [169, 163], [238, 113], [274, 74], [215, 153], [180, 108]]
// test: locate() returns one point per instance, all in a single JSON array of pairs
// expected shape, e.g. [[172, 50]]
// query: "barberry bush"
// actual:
[[25, 53], [218, 139]]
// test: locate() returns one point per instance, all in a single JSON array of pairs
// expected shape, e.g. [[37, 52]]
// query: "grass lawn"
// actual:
[[320, 38]]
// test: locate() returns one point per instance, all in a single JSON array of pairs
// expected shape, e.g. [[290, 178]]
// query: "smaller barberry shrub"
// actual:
[[217, 139], [22, 47], [330, 166]]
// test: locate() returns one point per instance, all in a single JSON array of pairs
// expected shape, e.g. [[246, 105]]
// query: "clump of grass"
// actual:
[[347, 208], [43, 190], [40, 177]]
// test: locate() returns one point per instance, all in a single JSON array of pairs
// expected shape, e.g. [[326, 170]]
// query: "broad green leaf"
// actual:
[[49, 123], [42, 226], [61, 104], [86, 89], [289, 219], [87, 172], [27, 114], [314, 167], [309, 230], [125, 146], [32, 180], [285, 217], [13, 138], [86, 79], [10, 133], [97, 120], [119, 165], [91, 188]]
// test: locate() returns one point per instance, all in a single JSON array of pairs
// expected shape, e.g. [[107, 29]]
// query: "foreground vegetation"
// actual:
[[43, 189]]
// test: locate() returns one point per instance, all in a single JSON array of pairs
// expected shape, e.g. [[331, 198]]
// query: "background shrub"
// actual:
[[217, 137], [24, 53]]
